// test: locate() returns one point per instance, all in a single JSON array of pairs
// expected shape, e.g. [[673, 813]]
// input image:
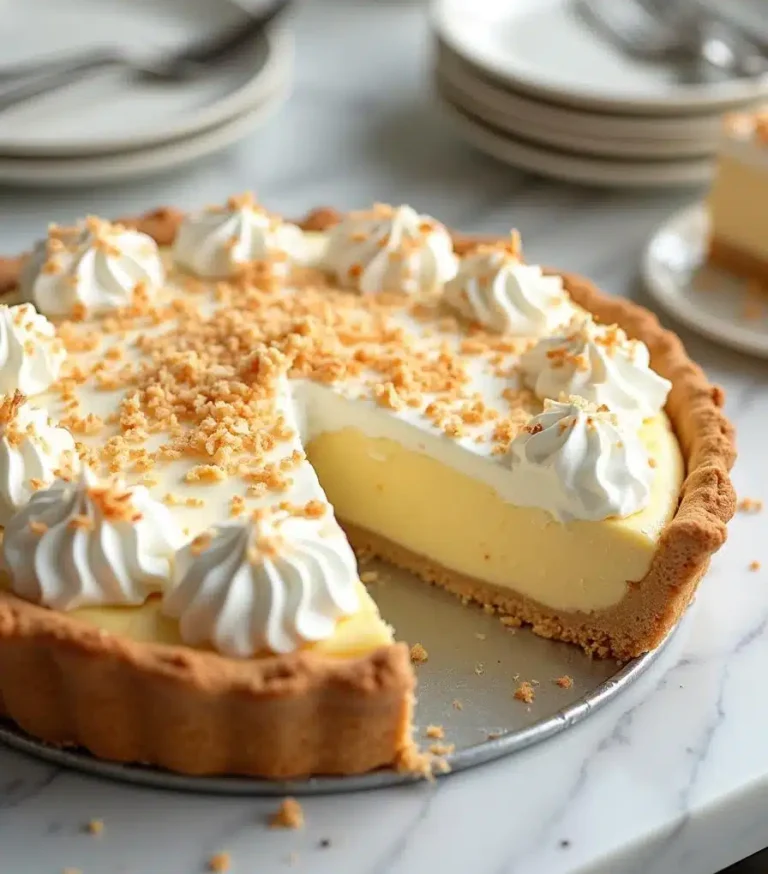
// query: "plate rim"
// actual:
[[609, 148], [724, 333], [461, 71], [258, 88], [101, 169], [477, 754], [680, 98], [589, 170]]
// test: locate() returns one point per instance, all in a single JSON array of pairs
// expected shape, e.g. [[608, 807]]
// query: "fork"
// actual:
[[694, 37], [723, 36], [34, 78]]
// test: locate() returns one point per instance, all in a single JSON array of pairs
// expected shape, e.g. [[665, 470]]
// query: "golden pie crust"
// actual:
[[735, 260], [196, 712]]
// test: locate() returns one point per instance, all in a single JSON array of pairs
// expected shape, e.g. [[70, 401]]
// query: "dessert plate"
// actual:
[[556, 135], [572, 166], [473, 660], [705, 298], [684, 135], [65, 172], [112, 111], [517, 42]]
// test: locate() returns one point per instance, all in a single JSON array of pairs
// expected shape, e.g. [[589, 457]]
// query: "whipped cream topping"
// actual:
[[85, 543], [580, 461], [33, 452], [598, 363], [494, 288], [218, 242], [390, 249], [91, 268], [274, 583], [31, 355]]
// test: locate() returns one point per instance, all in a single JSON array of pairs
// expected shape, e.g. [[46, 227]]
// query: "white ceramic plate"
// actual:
[[112, 111], [685, 133], [706, 299], [519, 124], [573, 167], [545, 48], [99, 169]]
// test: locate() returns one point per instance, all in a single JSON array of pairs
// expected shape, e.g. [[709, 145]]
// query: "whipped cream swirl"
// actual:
[[269, 584], [390, 249], [494, 288], [580, 461], [93, 267], [219, 241], [31, 355], [33, 452], [85, 543], [598, 363]]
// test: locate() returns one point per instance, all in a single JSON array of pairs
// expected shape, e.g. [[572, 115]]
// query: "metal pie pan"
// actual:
[[466, 686]]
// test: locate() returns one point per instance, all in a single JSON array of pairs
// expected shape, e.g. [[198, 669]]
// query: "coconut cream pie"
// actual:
[[202, 412]]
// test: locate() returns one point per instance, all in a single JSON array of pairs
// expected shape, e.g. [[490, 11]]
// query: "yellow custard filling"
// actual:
[[355, 635], [465, 526]]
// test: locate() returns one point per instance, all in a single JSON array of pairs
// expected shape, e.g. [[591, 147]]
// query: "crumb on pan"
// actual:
[[525, 692]]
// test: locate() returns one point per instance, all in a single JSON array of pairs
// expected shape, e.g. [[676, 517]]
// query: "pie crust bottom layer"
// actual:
[[738, 261], [638, 623]]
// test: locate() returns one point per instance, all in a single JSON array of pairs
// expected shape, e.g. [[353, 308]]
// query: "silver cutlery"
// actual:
[[30, 79], [681, 11], [691, 37]]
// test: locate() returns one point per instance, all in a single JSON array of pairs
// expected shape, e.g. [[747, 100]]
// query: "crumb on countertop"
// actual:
[[754, 565], [418, 654], [564, 682], [219, 863], [439, 749], [94, 826], [437, 732], [750, 505], [457, 705], [525, 692], [289, 815]]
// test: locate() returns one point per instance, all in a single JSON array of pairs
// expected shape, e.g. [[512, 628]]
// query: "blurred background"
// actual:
[[584, 123]]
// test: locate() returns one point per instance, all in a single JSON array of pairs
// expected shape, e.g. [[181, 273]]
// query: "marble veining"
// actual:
[[670, 777]]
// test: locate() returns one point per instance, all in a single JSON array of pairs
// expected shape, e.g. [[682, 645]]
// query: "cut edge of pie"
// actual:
[[197, 712]]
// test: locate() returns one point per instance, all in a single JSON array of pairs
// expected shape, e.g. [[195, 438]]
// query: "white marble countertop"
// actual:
[[670, 777]]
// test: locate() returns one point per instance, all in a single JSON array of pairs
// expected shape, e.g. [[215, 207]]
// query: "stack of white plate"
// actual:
[[115, 126], [531, 83]]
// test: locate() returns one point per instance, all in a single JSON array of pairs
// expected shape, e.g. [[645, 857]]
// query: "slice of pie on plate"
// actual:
[[193, 403], [738, 202]]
